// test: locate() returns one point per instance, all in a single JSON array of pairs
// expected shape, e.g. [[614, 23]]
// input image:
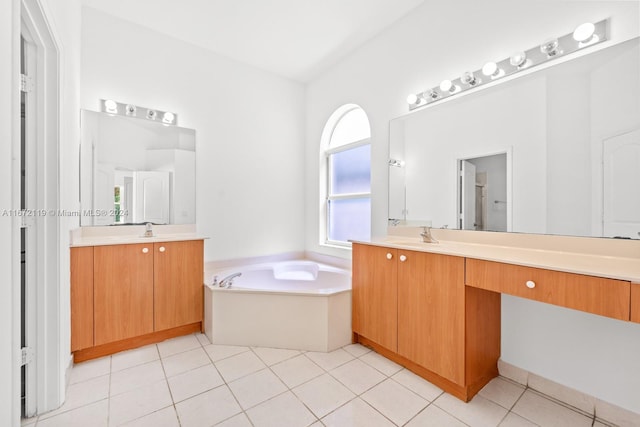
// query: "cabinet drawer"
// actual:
[[606, 297]]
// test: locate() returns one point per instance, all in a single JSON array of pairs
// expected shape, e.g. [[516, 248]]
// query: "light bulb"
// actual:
[[468, 78], [550, 47], [130, 110], [518, 59], [584, 32], [168, 117], [111, 106], [446, 85], [492, 70], [151, 115]]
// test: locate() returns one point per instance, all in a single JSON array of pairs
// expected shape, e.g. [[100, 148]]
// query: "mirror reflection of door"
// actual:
[[468, 195], [151, 197], [482, 193], [621, 168]]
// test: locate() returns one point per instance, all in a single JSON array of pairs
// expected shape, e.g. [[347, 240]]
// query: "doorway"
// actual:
[[483, 193], [38, 185]]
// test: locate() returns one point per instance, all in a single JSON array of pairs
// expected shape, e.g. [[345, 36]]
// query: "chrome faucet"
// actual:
[[227, 281], [148, 230], [426, 235]]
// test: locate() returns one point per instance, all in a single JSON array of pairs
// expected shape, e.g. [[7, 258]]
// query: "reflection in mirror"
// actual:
[[571, 138], [135, 171], [482, 193]]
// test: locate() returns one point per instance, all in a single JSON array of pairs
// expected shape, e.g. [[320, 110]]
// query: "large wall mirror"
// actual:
[[555, 151], [135, 171]]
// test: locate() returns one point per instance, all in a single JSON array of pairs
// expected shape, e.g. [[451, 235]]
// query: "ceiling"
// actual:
[[297, 39]]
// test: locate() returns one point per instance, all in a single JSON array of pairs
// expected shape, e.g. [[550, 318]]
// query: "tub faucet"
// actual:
[[426, 235], [228, 281], [148, 230]]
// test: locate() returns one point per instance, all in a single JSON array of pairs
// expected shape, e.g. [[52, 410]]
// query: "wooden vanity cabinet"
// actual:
[[413, 308], [374, 294], [128, 295], [635, 302]]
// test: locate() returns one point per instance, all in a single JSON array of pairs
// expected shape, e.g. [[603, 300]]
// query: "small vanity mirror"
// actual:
[[556, 151], [135, 171]]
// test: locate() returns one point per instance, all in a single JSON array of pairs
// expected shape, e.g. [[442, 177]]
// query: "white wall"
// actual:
[[418, 52], [249, 130]]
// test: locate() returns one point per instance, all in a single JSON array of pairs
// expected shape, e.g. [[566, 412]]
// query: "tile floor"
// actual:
[[189, 382]]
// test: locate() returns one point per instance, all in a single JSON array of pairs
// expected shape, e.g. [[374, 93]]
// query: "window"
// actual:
[[347, 177]]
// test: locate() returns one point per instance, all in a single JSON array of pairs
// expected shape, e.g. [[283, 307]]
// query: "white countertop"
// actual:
[[123, 235], [592, 264], [128, 240]]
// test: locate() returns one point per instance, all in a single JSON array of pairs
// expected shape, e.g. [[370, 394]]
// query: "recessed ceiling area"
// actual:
[[297, 39]]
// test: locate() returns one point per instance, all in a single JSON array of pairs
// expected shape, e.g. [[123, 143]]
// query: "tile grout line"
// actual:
[[109, 391], [224, 383], [166, 379]]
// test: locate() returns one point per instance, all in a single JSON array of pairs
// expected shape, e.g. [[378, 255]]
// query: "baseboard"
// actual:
[[592, 406], [135, 342]]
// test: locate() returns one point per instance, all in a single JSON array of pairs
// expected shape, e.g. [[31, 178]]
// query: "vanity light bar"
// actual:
[[112, 107], [585, 35]]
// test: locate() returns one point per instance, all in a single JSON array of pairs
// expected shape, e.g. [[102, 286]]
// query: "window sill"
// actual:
[[332, 245]]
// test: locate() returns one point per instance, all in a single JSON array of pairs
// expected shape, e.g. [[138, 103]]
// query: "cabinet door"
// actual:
[[178, 281], [81, 298], [635, 302], [431, 312], [374, 294], [123, 291]]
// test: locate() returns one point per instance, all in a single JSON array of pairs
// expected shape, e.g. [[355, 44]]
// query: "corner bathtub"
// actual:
[[300, 305]]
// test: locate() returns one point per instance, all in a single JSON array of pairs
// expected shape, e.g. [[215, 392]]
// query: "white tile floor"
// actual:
[[189, 382]]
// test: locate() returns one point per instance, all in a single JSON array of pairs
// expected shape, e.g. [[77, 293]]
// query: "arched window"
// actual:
[[346, 177]]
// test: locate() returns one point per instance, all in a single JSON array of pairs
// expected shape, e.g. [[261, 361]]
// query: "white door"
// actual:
[[103, 195], [621, 186], [467, 195], [151, 197], [127, 200]]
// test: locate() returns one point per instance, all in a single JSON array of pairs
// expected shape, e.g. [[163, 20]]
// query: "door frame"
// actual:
[[508, 151], [45, 315]]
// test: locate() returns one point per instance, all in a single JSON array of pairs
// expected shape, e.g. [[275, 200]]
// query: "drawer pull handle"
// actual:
[[162, 249], [145, 250], [403, 258], [531, 284], [389, 255]]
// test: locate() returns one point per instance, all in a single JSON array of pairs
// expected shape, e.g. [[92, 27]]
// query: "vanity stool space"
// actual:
[[436, 309], [124, 296]]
